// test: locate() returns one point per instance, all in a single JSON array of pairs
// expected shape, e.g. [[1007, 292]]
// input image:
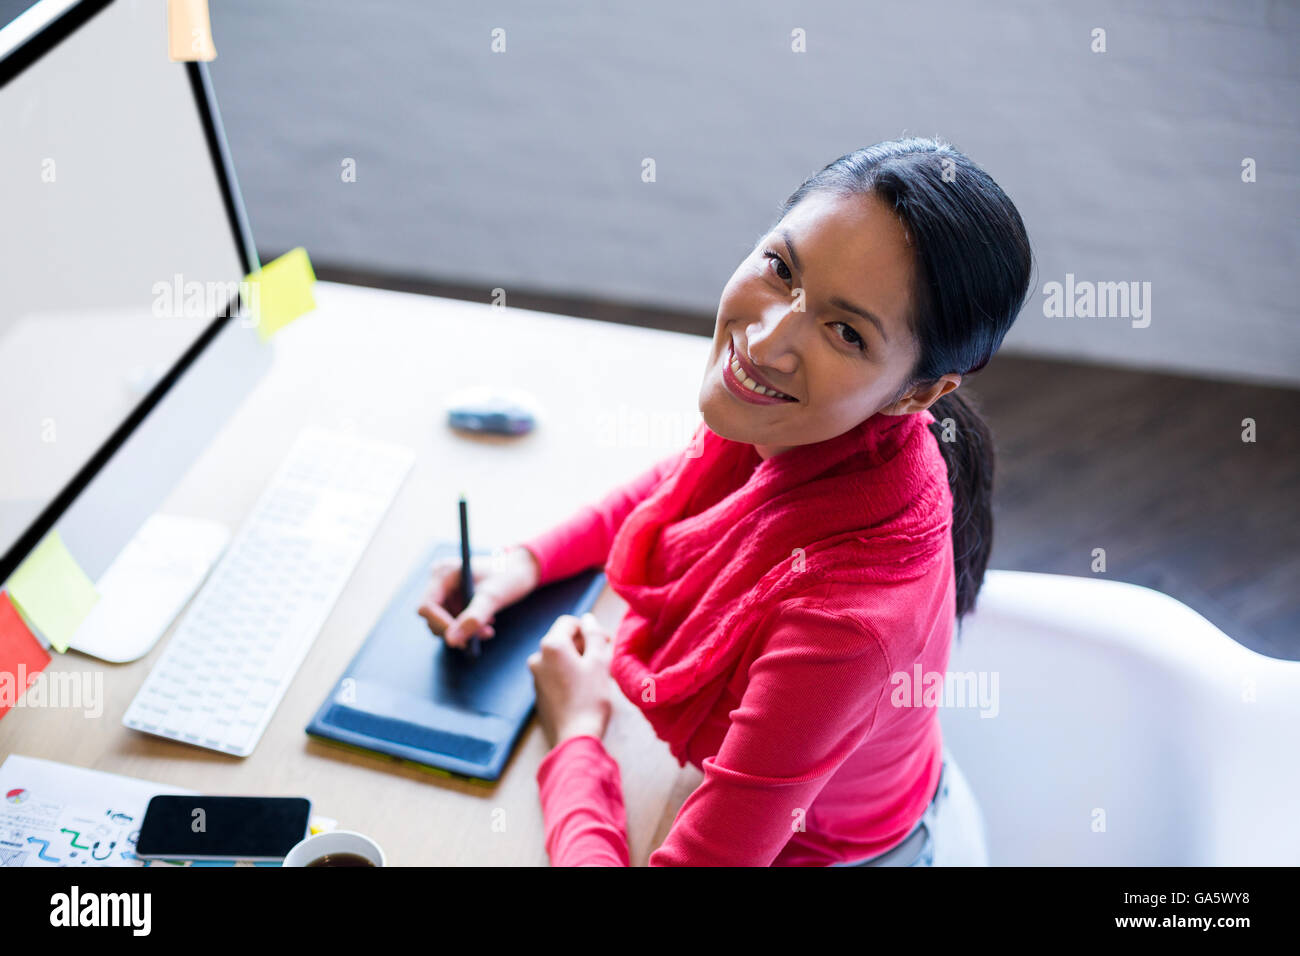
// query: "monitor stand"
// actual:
[[148, 584]]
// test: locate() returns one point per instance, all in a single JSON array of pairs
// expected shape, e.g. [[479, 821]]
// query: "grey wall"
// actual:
[[522, 169]]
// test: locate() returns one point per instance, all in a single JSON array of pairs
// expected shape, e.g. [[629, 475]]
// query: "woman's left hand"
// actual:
[[571, 672]]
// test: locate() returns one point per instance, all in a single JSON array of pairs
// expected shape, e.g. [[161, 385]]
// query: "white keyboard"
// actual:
[[232, 656]]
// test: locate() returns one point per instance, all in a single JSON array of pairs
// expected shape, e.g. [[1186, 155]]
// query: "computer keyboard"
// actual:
[[232, 656]]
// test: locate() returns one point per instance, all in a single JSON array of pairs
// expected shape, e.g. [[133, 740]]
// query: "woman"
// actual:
[[791, 572]]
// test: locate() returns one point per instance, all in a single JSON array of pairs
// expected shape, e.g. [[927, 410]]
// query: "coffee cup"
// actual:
[[336, 848]]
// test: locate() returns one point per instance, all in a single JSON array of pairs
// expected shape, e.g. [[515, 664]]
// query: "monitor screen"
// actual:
[[117, 249]]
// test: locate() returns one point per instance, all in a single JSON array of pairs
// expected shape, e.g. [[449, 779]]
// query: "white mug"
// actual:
[[334, 841]]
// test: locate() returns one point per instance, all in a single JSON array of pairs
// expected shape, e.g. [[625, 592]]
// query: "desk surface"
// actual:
[[382, 364]]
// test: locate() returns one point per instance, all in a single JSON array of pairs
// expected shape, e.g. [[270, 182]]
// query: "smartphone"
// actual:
[[222, 828]]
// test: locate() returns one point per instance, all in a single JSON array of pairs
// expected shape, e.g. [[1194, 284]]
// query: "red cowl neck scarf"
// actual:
[[710, 551]]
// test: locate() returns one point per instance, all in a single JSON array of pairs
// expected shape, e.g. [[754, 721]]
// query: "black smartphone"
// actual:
[[222, 828]]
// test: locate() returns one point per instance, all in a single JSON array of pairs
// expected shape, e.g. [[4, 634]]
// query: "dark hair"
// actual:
[[973, 273]]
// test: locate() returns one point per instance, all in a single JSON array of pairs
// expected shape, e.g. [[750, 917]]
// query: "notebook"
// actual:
[[407, 695]]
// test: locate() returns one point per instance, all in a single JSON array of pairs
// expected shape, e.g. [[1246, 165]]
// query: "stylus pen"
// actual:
[[466, 575]]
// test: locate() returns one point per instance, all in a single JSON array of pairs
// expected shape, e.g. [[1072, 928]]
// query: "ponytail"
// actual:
[[970, 457]]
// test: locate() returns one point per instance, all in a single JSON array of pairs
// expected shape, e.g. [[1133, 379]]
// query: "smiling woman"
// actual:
[[809, 313], [867, 298], [828, 522]]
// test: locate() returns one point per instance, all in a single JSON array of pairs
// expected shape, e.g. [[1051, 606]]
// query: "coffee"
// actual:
[[341, 859], [336, 848]]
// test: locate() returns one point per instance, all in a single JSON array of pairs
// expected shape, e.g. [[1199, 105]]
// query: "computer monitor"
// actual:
[[123, 240]]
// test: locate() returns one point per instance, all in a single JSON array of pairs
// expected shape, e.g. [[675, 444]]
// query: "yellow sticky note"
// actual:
[[52, 591], [189, 31], [282, 291]]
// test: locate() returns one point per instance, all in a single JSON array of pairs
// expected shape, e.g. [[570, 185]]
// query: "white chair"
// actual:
[[1125, 730]]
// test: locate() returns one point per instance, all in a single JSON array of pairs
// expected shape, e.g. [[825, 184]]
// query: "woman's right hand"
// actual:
[[499, 580]]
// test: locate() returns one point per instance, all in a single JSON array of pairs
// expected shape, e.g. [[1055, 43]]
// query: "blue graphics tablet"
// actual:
[[408, 695]]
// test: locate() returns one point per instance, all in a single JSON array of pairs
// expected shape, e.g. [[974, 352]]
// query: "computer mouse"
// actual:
[[491, 410]]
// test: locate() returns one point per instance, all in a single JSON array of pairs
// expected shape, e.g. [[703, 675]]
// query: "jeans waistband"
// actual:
[[917, 839]]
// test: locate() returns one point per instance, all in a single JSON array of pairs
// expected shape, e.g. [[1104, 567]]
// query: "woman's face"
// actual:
[[793, 315]]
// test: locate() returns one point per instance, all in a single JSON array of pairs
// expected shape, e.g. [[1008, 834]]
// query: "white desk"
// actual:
[[381, 363]]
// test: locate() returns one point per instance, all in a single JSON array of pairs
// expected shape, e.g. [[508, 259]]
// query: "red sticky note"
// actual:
[[21, 655]]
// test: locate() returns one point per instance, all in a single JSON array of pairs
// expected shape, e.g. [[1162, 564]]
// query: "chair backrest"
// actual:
[[1119, 727]]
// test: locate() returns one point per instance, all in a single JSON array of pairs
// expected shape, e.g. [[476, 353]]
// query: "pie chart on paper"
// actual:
[[18, 795]]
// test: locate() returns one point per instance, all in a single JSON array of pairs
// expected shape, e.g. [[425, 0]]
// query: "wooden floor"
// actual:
[[1151, 467]]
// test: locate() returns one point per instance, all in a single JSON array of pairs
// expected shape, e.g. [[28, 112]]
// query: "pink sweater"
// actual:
[[787, 620]]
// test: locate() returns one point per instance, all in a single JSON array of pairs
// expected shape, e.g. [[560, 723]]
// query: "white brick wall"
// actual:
[[523, 169]]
